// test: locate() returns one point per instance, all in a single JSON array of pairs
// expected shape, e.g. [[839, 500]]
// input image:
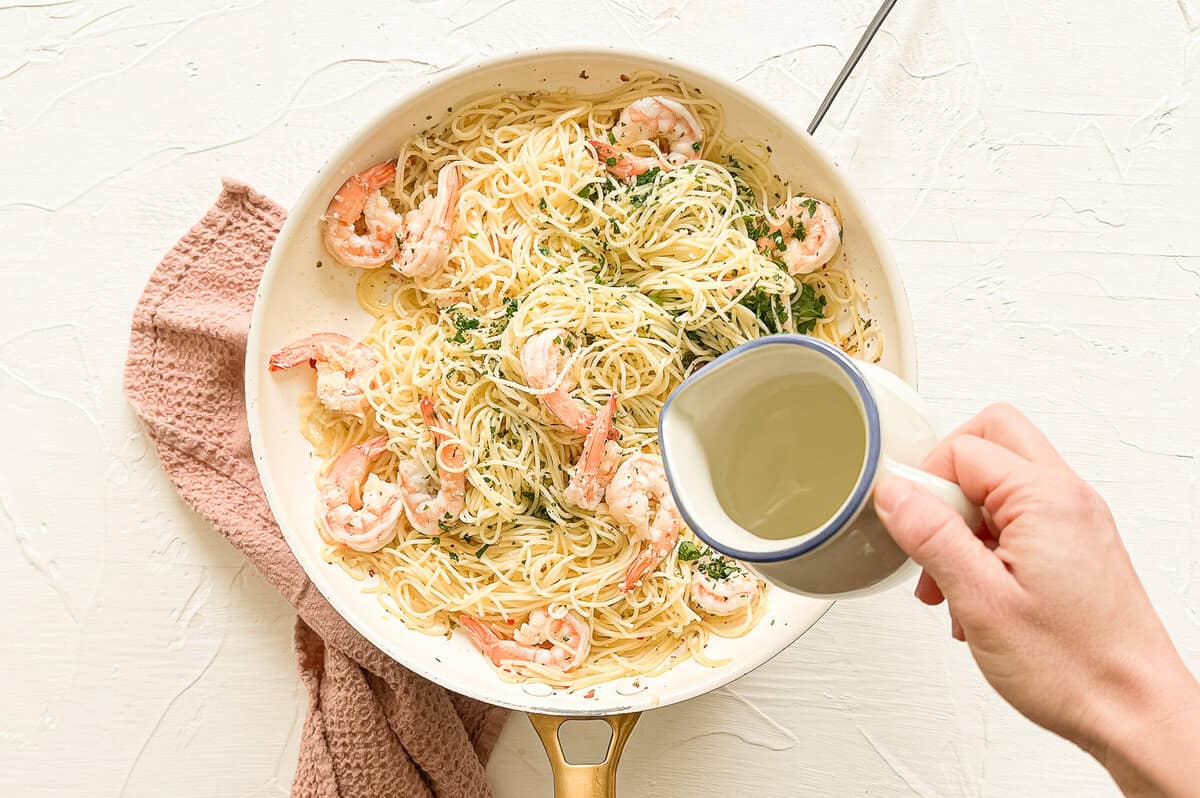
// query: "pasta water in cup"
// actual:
[[773, 450]]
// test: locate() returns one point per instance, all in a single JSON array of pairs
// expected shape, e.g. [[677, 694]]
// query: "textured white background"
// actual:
[[1034, 162]]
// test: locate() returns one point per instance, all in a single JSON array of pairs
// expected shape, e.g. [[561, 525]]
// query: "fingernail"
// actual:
[[890, 492]]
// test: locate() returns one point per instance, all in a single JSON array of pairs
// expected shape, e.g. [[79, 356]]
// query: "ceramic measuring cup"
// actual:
[[851, 553]]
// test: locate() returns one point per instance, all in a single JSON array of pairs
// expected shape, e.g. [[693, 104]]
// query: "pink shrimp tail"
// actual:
[[351, 466], [605, 415], [358, 186], [603, 149], [483, 637], [594, 445], [304, 350], [437, 427], [645, 562], [620, 164], [375, 446], [449, 184], [604, 419], [430, 415]]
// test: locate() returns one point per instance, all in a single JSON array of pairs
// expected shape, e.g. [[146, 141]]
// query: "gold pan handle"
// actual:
[[584, 781]]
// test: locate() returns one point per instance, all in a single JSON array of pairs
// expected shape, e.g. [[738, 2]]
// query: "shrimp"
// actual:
[[361, 510], [344, 369], [569, 636], [597, 464], [640, 481], [426, 237], [805, 236], [622, 166], [657, 119], [428, 512], [722, 587], [541, 361], [359, 197]]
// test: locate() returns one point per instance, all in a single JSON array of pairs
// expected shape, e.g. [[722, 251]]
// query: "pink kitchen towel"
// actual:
[[373, 728]]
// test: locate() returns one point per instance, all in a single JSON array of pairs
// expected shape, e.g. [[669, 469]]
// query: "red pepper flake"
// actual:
[[510, 621], [583, 74], [624, 78], [641, 638], [590, 693], [370, 571]]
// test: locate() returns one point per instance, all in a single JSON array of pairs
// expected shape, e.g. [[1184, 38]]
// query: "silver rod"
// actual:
[[851, 62]]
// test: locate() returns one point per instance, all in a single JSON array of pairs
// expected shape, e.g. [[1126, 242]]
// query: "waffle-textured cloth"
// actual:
[[373, 728]]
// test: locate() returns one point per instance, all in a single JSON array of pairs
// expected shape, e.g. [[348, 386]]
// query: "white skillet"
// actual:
[[295, 298]]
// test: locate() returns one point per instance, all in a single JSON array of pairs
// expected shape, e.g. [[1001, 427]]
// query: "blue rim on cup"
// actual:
[[810, 539]]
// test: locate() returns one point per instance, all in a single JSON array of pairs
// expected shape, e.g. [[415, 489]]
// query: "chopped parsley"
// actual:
[[510, 306], [542, 205], [611, 138], [756, 225], [806, 307], [479, 551], [454, 556], [588, 192], [717, 567], [472, 235], [544, 250], [696, 146], [461, 325], [435, 540], [811, 204], [647, 176], [444, 525], [688, 551], [610, 161]]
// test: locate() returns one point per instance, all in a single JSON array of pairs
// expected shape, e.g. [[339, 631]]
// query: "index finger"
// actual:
[[1004, 426]]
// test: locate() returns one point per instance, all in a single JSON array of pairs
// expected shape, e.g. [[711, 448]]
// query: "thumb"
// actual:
[[937, 538]]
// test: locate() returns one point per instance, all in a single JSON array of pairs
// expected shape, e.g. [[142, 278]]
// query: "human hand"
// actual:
[[1045, 596]]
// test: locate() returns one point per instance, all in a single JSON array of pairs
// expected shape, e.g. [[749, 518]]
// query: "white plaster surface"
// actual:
[[1034, 162]]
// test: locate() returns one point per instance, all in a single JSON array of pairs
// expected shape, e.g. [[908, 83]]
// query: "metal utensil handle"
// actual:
[[851, 62], [584, 781]]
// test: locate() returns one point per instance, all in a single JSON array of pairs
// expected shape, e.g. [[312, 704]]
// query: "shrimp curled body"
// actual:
[[656, 119], [598, 463], [805, 235], [541, 362], [344, 369], [359, 198], [569, 639], [640, 499], [427, 511], [361, 511], [724, 596]]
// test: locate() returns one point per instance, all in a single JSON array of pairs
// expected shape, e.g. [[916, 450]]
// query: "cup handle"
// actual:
[[944, 489]]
